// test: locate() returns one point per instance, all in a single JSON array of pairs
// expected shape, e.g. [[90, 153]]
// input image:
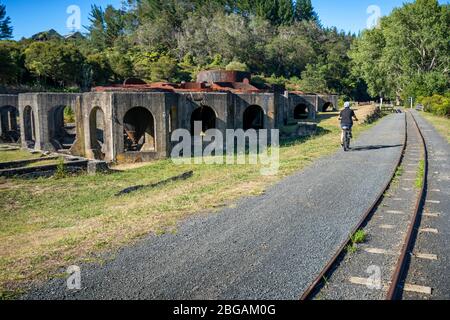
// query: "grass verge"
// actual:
[[14, 155], [442, 124], [50, 223], [420, 174]]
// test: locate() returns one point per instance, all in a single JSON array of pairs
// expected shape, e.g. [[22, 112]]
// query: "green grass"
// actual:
[[42, 162], [359, 237], [60, 169], [49, 223], [14, 155], [397, 175], [420, 174], [442, 124], [351, 248], [399, 172]]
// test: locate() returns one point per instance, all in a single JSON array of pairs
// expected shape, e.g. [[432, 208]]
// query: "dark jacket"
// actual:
[[347, 116]]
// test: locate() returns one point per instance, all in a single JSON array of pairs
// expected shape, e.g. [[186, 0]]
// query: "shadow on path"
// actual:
[[367, 148]]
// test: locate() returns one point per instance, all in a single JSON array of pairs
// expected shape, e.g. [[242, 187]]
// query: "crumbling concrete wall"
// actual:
[[44, 107], [219, 102], [242, 101], [295, 100], [324, 101], [156, 104], [103, 113]]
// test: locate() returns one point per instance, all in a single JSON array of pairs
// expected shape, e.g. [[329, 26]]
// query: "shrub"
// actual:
[[236, 66], [360, 236], [437, 104], [69, 115]]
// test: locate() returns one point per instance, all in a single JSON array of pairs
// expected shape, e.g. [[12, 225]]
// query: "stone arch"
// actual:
[[63, 127], [139, 130], [328, 106], [253, 118], [9, 129], [301, 111], [207, 116], [29, 126], [97, 132]]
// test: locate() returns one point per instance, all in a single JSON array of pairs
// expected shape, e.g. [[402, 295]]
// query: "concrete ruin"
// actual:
[[9, 115], [133, 122]]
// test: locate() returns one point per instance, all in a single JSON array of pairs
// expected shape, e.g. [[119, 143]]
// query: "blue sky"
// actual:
[[31, 16]]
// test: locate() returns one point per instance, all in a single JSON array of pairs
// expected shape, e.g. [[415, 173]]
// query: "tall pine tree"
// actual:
[[5, 24], [304, 11], [285, 12], [267, 9]]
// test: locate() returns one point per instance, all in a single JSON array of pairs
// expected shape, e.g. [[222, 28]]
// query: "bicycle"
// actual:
[[347, 137]]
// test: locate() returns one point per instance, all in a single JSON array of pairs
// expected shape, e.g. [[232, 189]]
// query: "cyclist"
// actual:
[[346, 116]]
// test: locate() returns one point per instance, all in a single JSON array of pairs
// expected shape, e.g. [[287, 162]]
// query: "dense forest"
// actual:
[[280, 42]]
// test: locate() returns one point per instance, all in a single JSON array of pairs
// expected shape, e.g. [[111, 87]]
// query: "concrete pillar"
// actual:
[[4, 121]]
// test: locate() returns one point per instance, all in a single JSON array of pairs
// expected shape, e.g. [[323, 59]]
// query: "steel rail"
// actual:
[[396, 287], [307, 295]]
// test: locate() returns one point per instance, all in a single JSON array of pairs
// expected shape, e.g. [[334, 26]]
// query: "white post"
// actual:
[[381, 103], [411, 102]]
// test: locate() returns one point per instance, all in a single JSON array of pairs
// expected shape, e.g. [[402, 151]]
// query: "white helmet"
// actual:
[[347, 104]]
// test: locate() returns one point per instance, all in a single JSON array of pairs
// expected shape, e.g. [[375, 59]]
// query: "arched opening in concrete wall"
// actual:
[[97, 132], [253, 118], [206, 116], [29, 126], [327, 107], [64, 127], [301, 111], [9, 119], [139, 130]]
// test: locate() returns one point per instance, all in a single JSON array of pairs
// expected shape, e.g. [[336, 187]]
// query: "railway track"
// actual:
[[391, 226]]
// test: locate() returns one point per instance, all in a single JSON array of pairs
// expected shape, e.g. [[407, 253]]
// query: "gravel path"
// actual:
[[386, 231], [267, 247], [425, 272]]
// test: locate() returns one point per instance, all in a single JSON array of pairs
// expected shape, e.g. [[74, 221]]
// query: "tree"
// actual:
[[106, 26], [5, 24], [53, 60], [304, 11], [158, 35], [408, 54], [100, 69], [121, 62], [285, 12], [267, 10], [314, 78], [8, 67], [236, 66], [164, 69], [366, 56], [290, 51]]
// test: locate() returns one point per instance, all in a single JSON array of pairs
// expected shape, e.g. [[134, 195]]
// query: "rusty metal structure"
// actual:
[[134, 121]]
